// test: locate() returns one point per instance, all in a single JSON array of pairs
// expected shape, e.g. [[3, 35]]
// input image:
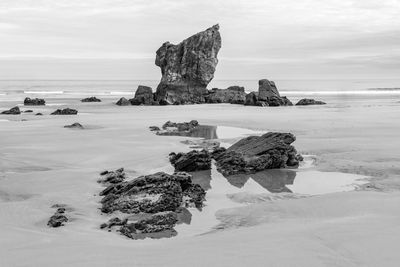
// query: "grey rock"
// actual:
[[308, 101], [75, 125], [143, 96], [12, 111], [191, 161], [66, 111], [91, 99], [232, 95], [123, 102], [34, 102]]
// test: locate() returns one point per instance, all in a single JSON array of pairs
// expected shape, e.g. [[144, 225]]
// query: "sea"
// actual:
[[15, 90]]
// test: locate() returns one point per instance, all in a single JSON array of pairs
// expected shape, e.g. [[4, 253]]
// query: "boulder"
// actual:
[[12, 111], [267, 89], [34, 102], [191, 161], [143, 96], [232, 95], [251, 99], [308, 101], [258, 153], [75, 125], [66, 111], [91, 99], [268, 95], [187, 68], [123, 102]]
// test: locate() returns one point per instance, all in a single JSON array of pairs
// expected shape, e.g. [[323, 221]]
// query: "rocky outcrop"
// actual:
[[268, 95], [191, 161], [232, 95], [75, 125], [308, 101], [12, 111], [66, 111], [143, 96], [257, 153], [34, 102], [188, 67], [91, 99], [153, 202], [123, 102], [59, 217], [112, 177]]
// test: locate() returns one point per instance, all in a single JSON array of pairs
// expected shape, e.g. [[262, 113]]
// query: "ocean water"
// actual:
[[16, 89]]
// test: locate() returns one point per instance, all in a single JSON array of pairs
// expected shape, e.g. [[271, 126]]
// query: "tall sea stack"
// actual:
[[188, 67]]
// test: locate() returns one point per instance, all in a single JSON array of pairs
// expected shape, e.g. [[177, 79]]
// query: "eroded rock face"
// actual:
[[188, 67], [12, 111], [308, 101], [257, 153], [232, 95], [91, 99], [191, 161], [66, 111], [34, 102], [143, 96]]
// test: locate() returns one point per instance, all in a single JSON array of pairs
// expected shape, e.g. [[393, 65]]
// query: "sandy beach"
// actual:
[[43, 164]]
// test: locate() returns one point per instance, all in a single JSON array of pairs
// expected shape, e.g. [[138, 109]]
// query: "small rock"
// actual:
[[28, 111], [123, 102], [75, 125], [113, 177], [154, 128], [39, 114], [308, 101], [191, 161], [91, 99], [66, 111], [34, 102], [12, 111]]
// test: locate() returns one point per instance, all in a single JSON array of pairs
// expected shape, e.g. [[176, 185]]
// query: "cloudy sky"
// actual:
[[281, 39]]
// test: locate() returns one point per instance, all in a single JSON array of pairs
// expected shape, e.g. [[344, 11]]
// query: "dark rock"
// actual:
[[75, 125], [257, 153], [34, 102], [12, 111], [113, 177], [191, 161], [39, 114], [143, 96], [268, 95], [123, 102], [232, 95], [66, 111], [28, 111], [251, 99], [59, 217], [154, 128], [187, 68], [91, 99], [267, 89], [307, 101]]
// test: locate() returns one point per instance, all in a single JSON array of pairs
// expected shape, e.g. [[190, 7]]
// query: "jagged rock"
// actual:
[[151, 194], [28, 111], [143, 96], [191, 161], [113, 177], [66, 111], [154, 128], [257, 153], [34, 102], [123, 102], [308, 101], [12, 111], [75, 125], [59, 217], [232, 95], [188, 67], [91, 99]]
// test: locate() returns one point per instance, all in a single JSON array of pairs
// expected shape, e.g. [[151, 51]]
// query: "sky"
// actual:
[[277, 39]]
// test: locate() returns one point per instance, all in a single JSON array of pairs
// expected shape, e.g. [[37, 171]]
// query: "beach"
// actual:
[[43, 163]]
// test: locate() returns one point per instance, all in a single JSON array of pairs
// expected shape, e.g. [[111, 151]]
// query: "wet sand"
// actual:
[[42, 163]]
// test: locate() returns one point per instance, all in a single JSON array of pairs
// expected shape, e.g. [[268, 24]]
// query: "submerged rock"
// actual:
[[91, 99], [66, 111], [268, 95], [143, 96], [191, 161], [257, 153], [188, 67], [123, 102], [75, 125], [12, 111], [34, 102], [308, 101], [232, 95]]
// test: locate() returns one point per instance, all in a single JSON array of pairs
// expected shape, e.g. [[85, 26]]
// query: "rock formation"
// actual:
[[232, 95], [75, 125], [143, 96], [66, 111], [12, 111], [268, 95], [257, 153], [308, 101], [188, 67], [91, 99], [123, 102], [34, 102], [59, 217], [191, 161]]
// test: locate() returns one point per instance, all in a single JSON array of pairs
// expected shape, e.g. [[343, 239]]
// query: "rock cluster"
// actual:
[[257, 153], [143, 96], [66, 111], [59, 217], [154, 202], [178, 128], [268, 95], [188, 67], [12, 111], [308, 101], [91, 99], [232, 95], [191, 161], [34, 102]]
